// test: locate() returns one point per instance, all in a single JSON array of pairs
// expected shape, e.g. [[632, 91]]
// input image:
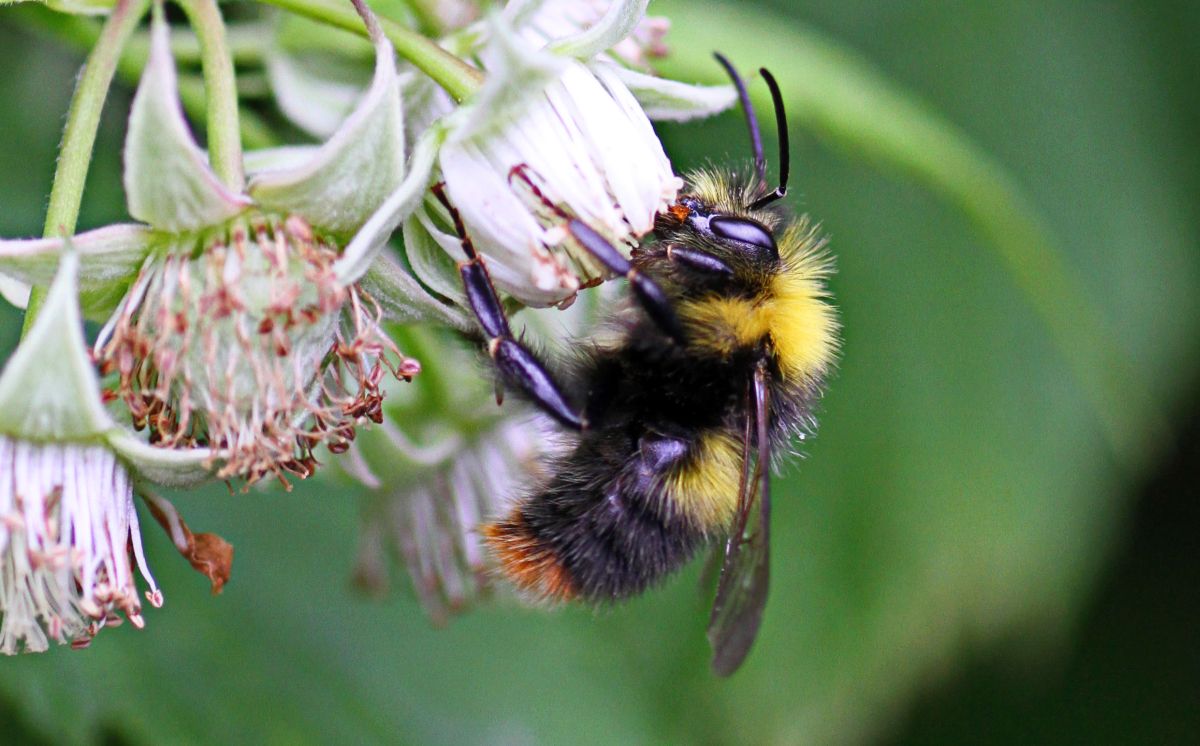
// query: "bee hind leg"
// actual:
[[518, 366]]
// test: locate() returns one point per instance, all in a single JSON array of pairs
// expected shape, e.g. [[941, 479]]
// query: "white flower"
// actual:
[[586, 148], [554, 131], [578, 123]]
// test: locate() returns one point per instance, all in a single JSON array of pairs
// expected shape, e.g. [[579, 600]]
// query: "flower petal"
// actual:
[[671, 100], [433, 254], [49, 389], [108, 256], [374, 234], [352, 173], [168, 182], [618, 22], [516, 74]]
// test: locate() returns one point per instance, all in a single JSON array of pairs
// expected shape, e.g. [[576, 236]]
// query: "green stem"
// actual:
[[220, 85], [458, 78], [79, 135]]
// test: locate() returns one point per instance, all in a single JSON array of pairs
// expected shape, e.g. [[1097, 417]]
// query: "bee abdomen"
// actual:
[[598, 545], [528, 560]]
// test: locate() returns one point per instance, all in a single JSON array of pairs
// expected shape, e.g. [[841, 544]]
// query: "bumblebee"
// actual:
[[673, 419]]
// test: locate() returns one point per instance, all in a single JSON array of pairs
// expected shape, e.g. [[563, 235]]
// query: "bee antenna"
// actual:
[[760, 162], [785, 156]]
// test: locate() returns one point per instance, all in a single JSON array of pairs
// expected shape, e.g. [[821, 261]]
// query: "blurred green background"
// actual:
[[966, 554]]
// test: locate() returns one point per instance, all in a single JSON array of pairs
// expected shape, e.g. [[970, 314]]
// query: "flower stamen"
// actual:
[[264, 358]]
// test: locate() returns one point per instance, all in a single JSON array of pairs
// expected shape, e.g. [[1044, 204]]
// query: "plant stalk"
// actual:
[[79, 135], [220, 86]]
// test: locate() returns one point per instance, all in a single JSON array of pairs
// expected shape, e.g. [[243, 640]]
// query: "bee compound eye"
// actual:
[[745, 231]]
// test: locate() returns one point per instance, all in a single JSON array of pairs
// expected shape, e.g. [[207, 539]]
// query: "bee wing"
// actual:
[[745, 573]]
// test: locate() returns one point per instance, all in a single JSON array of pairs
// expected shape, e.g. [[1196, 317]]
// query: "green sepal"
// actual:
[[430, 263], [404, 300], [49, 389], [109, 258], [373, 236], [168, 181], [618, 22], [665, 99], [352, 174], [171, 467]]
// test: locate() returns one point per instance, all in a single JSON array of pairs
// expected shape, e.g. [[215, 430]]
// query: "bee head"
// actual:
[[734, 223], [734, 236], [721, 233]]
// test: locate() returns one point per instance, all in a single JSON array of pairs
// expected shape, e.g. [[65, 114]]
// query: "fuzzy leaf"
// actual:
[[403, 299], [49, 388], [168, 182], [355, 171], [373, 236]]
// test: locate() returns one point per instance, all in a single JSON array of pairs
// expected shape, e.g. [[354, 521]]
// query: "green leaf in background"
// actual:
[[963, 487]]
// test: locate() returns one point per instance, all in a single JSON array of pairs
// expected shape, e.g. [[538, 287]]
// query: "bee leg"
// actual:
[[700, 262], [518, 366], [648, 293]]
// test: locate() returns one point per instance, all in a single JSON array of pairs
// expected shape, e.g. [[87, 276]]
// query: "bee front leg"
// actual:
[[518, 366], [648, 293]]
